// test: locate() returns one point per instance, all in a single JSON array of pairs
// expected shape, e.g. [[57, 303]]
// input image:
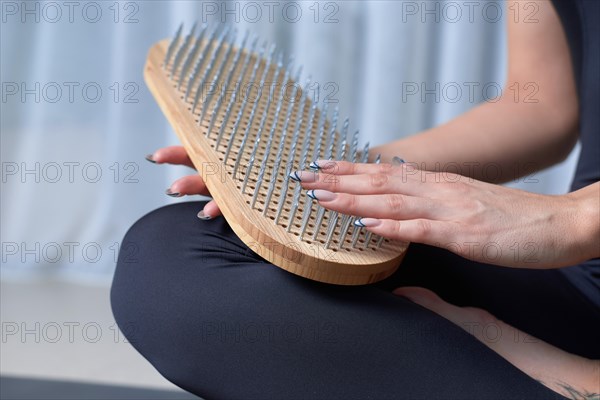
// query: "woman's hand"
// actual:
[[570, 375], [477, 220], [188, 185]]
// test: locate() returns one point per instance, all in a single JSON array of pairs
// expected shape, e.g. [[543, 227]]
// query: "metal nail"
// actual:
[[333, 219], [209, 67], [321, 130], [354, 147], [199, 63], [279, 154], [365, 153], [235, 92], [306, 216], [318, 221], [345, 226], [259, 131], [234, 65], [367, 239], [187, 64], [217, 75], [181, 52], [355, 233], [295, 138], [263, 165], [172, 46]]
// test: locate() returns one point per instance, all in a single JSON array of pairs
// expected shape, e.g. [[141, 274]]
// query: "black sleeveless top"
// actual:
[[581, 23]]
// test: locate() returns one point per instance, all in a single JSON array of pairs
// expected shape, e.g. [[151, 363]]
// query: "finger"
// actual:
[[211, 210], [408, 171], [387, 206], [424, 231], [171, 155], [188, 185], [378, 183], [349, 168]]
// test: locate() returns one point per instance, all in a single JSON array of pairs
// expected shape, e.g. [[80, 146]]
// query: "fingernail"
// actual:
[[303, 176], [321, 164], [367, 222], [203, 216], [150, 157], [168, 192], [321, 195], [397, 160]]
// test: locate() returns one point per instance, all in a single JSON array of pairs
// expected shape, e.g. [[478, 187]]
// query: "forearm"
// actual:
[[501, 141], [494, 142]]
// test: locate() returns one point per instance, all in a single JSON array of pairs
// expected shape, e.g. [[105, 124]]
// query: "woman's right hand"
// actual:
[[188, 185]]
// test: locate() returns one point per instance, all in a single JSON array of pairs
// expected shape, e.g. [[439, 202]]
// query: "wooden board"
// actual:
[[305, 256]]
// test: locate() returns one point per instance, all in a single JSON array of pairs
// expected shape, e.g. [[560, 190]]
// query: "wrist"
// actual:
[[585, 227]]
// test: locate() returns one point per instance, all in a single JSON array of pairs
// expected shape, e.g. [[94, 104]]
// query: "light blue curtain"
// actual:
[[77, 118]]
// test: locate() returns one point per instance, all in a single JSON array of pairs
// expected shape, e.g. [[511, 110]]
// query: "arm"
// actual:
[[530, 136], [477, 220]]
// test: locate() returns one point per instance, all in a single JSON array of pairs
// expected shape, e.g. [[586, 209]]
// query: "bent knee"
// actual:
[[143, 257], [170, 251]]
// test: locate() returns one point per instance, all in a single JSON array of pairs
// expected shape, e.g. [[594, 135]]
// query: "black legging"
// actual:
[[221, 322]]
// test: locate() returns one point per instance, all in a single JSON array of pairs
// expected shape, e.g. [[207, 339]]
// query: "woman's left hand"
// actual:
[[570, 375], [476, 220]]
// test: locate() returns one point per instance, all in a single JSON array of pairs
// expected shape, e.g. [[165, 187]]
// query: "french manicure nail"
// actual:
[[294, 176], [321, 195], [397, 160], [168, 192], [321, 164], [303, 176], [367, 222], [203, 216], [150, 157]]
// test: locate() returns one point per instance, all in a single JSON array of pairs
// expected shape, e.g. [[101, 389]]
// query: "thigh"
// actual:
[[221, 322]]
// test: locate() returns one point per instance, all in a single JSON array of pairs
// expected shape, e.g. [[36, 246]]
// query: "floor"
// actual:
[[65, 333], [12, 388]]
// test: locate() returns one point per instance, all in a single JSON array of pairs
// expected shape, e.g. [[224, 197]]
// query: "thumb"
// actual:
[[210, 211]]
